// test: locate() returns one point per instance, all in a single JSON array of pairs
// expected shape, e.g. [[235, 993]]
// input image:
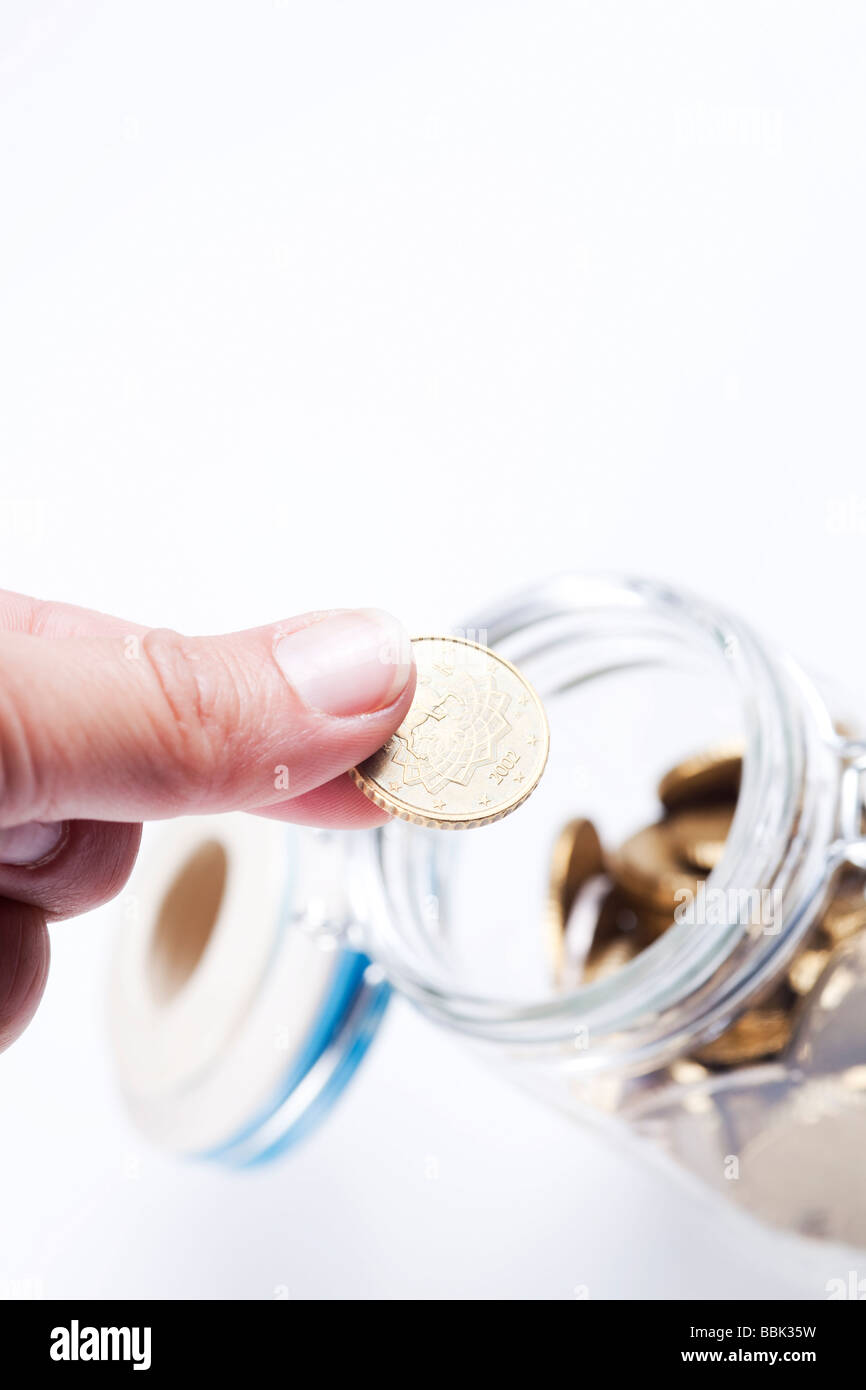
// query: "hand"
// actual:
[[104, 724]]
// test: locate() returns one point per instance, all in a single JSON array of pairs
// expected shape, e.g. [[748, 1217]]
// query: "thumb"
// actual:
[[153, 724]]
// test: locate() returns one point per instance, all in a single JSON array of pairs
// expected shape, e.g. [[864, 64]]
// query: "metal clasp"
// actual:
[[852, 800]]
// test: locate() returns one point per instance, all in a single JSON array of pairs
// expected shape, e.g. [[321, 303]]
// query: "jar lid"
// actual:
[[235, 1024]]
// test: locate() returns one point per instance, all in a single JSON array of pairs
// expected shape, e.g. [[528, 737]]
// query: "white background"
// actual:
[[407, 304]]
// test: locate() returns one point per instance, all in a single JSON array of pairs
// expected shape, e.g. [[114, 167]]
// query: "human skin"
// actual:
[[105, 724]]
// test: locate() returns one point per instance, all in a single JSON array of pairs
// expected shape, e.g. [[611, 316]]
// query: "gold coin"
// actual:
[[472, 747], [652, 922], [615, 940], [805, 970], [604, 961], [845, 914], [756, 1034], [577, 856], [687, 1073], [648, 870], [713, 775], [699, 834]]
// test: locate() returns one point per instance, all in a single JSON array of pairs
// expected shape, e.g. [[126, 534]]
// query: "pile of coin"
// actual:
[[604, 907]]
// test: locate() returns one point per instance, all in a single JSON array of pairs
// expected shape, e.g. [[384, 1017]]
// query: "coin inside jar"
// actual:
[[754, 1035], [650, 873], [472, 747], [806, 969], [698, 835], [712, 775], [845, 914], [615, 941], [577, 857]]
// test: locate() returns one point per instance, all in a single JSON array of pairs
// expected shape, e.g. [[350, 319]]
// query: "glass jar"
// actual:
[[633, 675]]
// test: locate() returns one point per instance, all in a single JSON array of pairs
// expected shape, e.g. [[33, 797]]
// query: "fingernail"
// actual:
[[30, 843], [348, 663]]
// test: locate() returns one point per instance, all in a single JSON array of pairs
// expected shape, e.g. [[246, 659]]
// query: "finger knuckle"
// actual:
[[201, 701], [21, 786]]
